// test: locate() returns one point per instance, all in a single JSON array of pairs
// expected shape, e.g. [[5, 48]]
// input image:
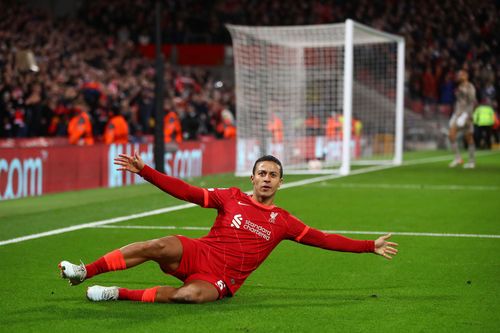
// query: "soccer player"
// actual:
[[461, 120], [246, 230]]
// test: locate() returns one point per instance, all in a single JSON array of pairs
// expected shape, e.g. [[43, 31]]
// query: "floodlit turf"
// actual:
[[445, 284]]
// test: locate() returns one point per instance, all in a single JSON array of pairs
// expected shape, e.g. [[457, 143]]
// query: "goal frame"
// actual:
[[350, 26]]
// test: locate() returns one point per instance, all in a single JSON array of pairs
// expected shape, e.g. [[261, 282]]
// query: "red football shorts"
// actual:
[[196, 265]]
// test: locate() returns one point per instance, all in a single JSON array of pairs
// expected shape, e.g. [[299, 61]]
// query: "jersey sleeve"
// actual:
[[216, 197], [174, 186], [334, 242], [304, 234], [296, 228]]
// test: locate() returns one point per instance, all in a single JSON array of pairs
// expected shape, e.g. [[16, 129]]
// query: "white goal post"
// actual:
[[320, 98]]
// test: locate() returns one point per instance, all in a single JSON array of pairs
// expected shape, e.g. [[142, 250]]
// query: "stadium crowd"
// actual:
[[90, 61], [79, 68]]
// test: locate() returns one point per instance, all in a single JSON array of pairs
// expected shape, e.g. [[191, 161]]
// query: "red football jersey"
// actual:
[[245, 232]]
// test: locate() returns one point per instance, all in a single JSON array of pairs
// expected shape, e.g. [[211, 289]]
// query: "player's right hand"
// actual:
[[129, 163]]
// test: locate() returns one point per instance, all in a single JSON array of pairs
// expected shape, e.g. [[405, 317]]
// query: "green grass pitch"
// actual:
[[436, 283]]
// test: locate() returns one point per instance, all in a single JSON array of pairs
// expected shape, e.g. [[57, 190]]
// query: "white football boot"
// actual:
[[74, 273], [100, 293], [469, 165], [455, 162]]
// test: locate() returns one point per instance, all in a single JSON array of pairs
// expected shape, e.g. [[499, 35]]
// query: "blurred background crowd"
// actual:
[[89, 61]]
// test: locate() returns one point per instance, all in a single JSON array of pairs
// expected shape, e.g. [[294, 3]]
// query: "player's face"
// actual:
[[266, 180], [462, 76]]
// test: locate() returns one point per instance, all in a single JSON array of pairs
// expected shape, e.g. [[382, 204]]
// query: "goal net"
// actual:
[[320, 98]]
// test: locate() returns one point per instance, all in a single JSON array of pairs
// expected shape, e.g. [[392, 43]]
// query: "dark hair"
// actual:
[[269, 158]]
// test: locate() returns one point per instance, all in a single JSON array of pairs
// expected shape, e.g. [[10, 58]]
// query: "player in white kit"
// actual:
[[461, 119]]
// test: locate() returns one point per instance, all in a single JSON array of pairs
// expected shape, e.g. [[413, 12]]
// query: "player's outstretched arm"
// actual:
[[384, 248], [130, 163], [335, 242], [171, 185]]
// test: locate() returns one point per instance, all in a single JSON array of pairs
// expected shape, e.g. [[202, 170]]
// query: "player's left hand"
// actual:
[[385, 248]]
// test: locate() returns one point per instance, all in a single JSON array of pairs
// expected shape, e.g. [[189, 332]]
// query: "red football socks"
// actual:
[[143, 295], [112, 261]]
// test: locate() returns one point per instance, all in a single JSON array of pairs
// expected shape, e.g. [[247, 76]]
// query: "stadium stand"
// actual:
[[95, 54]]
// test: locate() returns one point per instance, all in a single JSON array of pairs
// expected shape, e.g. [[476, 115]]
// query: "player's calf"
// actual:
[[195, 292], [187, 296]]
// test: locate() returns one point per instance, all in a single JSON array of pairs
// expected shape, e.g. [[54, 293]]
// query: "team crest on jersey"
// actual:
[[272, 218]]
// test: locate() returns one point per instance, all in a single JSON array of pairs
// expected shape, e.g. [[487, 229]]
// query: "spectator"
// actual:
[[80, 127], [484, 119], [447, 94], [333, 128], [275, 127], [95, 53], [172, 127], [117, 128], [226, 128], [190, 123], [429, 88]]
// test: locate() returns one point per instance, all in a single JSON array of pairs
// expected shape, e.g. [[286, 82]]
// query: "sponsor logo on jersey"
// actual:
[[272, 218], [242, 203], [257, 229], [250, 226], [236, 223]]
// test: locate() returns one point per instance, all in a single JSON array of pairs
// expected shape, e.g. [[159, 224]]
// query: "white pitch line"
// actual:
[[414, 186], [446, 158], [425, 234], [422, 234], [151, 227], [185, 206], [168, 209], [95, 224]]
